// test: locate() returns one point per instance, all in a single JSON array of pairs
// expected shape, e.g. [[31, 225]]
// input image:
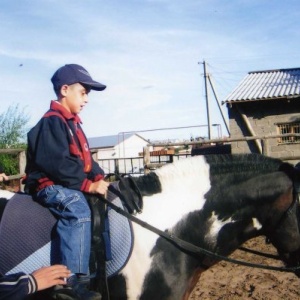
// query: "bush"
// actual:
[[13, 128]]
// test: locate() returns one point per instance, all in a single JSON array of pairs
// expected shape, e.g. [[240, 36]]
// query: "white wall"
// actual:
[[131, 147]]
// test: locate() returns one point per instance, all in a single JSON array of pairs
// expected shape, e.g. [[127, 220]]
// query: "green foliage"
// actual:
[[9, 163], [13, 128]]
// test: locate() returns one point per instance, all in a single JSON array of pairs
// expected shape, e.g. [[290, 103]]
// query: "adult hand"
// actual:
[[99, 187], [3, 177], [47, 277]]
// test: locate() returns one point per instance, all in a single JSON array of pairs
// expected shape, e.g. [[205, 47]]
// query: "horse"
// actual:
[[213, 204]]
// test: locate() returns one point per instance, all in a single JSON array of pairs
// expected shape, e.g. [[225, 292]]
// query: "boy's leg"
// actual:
[[73, 227]]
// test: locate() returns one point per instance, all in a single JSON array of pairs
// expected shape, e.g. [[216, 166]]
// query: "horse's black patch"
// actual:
[[241, 200], [232, 235], [155, 278], [240, 182], [148, 184], [117, 288]]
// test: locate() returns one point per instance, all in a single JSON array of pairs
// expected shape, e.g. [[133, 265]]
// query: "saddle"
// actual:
[[27, 230]]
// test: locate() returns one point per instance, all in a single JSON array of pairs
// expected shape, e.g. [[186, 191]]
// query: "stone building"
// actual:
[[264, 104]]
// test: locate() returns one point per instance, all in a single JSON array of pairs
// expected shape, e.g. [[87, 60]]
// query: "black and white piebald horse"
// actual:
[[214, 202]]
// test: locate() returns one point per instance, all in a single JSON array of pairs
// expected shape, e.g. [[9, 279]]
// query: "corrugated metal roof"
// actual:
[[264, 85], [107, 141]]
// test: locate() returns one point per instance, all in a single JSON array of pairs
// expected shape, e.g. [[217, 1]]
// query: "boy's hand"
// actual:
[[99, 187], [49, 276]]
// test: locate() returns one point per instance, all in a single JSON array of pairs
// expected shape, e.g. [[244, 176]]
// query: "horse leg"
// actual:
[[192, 283], [194, 279]]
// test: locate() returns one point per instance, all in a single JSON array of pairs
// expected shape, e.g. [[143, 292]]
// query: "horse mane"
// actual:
[[242, 163], [223, 169]]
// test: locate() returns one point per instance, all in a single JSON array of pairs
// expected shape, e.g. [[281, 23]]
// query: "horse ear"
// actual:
[[291, 171], [297, 183]]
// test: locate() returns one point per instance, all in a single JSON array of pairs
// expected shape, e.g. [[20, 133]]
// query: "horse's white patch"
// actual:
[[256, 224], [184, 184], [6, 194], [216, 226]]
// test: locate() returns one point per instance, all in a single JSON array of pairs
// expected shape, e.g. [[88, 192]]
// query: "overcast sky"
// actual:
[[149, 53]]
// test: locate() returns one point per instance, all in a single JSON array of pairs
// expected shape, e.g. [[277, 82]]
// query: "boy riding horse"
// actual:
[[60, 167]]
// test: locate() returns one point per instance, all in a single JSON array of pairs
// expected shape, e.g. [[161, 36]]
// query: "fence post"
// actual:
[[22, 162], [265, 146], [146, 153], [117, 170], [22, 165]]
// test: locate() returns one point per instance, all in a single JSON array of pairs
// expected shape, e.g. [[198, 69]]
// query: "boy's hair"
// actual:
[[57, 90]]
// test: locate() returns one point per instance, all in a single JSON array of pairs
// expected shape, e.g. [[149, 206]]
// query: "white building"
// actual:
[[123, 150]]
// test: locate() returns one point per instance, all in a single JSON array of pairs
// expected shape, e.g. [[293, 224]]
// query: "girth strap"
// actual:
[[100, 247]]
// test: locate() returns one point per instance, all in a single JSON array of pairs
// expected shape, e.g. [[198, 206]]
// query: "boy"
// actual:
[[60, 167]]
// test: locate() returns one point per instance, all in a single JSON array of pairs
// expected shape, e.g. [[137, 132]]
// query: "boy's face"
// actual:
[[74, 97]]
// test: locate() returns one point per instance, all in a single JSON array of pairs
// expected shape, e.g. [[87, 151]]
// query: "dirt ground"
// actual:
[[227, 281]]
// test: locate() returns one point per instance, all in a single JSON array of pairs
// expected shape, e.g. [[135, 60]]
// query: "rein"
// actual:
[[187, 247]]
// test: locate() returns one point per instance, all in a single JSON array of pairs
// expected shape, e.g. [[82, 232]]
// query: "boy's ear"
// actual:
[[64, 90]]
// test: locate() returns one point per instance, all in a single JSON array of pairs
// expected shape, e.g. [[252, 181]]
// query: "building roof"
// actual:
[[266, 85], [109, 140]]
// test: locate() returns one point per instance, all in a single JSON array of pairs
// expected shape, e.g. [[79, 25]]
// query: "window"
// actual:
[[288, 128]]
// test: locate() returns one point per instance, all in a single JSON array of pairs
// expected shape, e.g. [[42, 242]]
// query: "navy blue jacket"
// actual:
[[58, 153], [17, 286]]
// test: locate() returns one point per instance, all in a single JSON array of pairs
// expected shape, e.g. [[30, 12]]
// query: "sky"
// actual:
[[149, 53]]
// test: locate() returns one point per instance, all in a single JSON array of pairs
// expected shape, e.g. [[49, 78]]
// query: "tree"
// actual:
[[13, 128]]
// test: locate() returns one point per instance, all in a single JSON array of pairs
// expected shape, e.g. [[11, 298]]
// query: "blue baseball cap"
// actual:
[[72, 73]]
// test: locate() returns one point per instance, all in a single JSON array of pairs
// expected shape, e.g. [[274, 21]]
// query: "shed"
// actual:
[[266, 103]]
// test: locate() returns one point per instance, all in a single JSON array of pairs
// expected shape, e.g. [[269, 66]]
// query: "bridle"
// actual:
[[286, 213]]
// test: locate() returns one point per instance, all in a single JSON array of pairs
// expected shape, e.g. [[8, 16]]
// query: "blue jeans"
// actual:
[[73, 226]]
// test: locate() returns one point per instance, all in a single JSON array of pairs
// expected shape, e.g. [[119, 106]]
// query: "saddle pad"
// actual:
[[28, 237], [25, 227]]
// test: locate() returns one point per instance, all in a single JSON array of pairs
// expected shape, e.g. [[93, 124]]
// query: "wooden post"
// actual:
[[22, 165], [146, 152], [22, 162], [265, 146], [117, 170]]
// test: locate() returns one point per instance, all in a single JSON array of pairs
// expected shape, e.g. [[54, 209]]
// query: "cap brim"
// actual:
[[94, 85]]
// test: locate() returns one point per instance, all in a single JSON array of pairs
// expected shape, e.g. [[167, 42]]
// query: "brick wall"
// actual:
[[263, 116]]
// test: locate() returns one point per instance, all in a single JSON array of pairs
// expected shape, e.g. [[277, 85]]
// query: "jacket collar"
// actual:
[[55, 105]]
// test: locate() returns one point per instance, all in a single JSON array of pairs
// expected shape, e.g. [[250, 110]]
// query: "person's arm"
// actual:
[[19, 285]]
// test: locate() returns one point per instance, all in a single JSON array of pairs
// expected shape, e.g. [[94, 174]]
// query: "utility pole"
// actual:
[[207, 80], [206, 98], [216, 98]]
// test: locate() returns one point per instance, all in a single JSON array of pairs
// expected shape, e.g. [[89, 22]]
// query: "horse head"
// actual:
[[285, 236], [257, 199], [282, 219]]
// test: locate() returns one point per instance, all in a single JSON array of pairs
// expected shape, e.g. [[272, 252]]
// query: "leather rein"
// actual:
[[184, 246]]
